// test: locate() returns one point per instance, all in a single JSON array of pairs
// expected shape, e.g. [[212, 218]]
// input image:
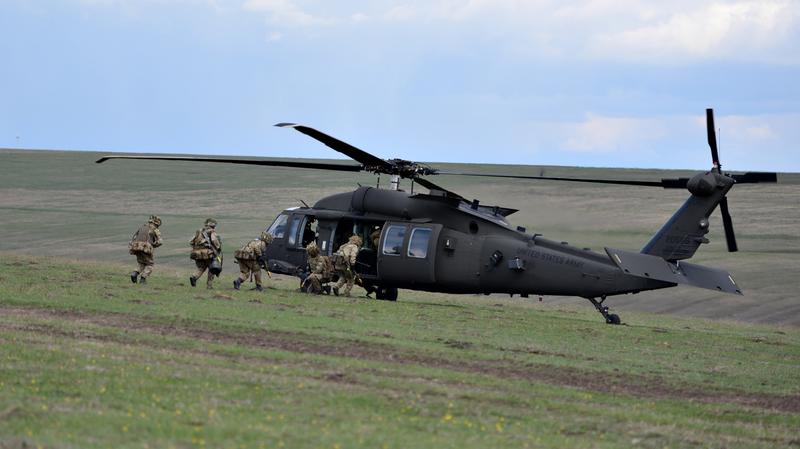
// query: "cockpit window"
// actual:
[[278, 227], [394, 240], [418, 244], [293, 231]]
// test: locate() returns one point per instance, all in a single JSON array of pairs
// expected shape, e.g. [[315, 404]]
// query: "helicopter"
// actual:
[[441, 242]]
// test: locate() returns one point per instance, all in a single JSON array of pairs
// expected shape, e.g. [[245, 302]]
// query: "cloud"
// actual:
[[748, 30], [285, 13], [639, 31], [611, 134]]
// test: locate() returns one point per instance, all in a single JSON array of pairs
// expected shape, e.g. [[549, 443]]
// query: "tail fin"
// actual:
[[680, 237]]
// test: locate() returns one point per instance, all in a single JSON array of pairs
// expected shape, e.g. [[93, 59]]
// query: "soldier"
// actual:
[[375, 236], [252, 257], [142, 244], [318, 271], [206, 247], [344, 262]]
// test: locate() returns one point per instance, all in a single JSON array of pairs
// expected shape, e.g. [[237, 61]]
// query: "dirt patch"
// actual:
[[615, 383]]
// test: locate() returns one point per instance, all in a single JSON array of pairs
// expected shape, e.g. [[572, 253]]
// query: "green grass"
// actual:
[[89, 360]]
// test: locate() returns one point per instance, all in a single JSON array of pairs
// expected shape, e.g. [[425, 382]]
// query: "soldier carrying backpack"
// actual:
[[206, 253], [252, 257], [142, 245], [344, 261], [320, 271]]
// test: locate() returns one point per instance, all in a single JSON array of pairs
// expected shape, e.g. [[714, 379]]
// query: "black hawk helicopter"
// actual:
[[442, 242]]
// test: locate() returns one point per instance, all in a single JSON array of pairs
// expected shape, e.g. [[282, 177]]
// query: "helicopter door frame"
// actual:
[[290, 243], [411, 258]]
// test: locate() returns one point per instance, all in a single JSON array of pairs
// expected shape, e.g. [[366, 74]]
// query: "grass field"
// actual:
[[63, 204], [89, 360]]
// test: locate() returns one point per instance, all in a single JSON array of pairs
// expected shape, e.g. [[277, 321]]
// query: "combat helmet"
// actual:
[[155, 219], [211, 223], [356, 239], [266, 237], [312, 249]]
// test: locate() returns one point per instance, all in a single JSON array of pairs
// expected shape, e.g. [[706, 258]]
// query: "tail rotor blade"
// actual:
[[727, 223], [712, 137]]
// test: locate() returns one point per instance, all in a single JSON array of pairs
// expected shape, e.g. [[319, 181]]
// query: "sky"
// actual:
[[607, 83]]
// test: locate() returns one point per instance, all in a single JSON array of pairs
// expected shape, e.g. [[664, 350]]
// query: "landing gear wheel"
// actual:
[[611, 318], [386, 293]]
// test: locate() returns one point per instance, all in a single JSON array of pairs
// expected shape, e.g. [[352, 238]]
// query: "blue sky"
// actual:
[[621, 83]]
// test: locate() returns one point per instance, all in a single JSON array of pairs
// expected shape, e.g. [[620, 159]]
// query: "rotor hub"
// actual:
[[402, 168]]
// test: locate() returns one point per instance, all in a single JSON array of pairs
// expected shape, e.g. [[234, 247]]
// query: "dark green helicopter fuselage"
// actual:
[[434, 243]]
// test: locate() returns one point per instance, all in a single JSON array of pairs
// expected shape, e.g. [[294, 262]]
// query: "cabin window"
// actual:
[[418, 243], [278, 227], [310, 229], [394, 240], [293, 231]]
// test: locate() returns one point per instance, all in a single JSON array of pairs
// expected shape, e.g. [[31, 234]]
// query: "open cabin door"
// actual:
[[407, 253], [287, 252]]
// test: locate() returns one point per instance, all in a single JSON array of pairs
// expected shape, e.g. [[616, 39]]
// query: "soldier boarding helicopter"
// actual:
[[442, 242]]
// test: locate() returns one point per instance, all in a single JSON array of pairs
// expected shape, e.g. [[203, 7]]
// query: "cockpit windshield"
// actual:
[[278, 227]]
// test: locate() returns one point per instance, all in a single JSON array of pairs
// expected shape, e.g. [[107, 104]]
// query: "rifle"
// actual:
[[262, 262]]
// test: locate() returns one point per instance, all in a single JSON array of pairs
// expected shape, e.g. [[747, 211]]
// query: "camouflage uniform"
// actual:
[[142, 244], [318, 270], [202, 255], [345, 261], [251, 257]]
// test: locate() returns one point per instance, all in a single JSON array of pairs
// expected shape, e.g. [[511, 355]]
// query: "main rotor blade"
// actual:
[[553, 178], [712, 137], [369, 161], [727, 223], [431, 186], [754, 177], [293, 164], [667, 183]]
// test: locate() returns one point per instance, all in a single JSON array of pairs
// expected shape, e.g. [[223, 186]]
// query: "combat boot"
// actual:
[[142, 280], [259, 288], [336, 291], [193, 281], [134, 275], [237, 284], [326, 289]]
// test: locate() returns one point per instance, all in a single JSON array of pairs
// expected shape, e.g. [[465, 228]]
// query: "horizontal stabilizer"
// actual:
[[653, 267]]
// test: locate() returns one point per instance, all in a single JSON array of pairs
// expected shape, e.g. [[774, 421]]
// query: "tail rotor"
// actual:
[[727, 221]]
